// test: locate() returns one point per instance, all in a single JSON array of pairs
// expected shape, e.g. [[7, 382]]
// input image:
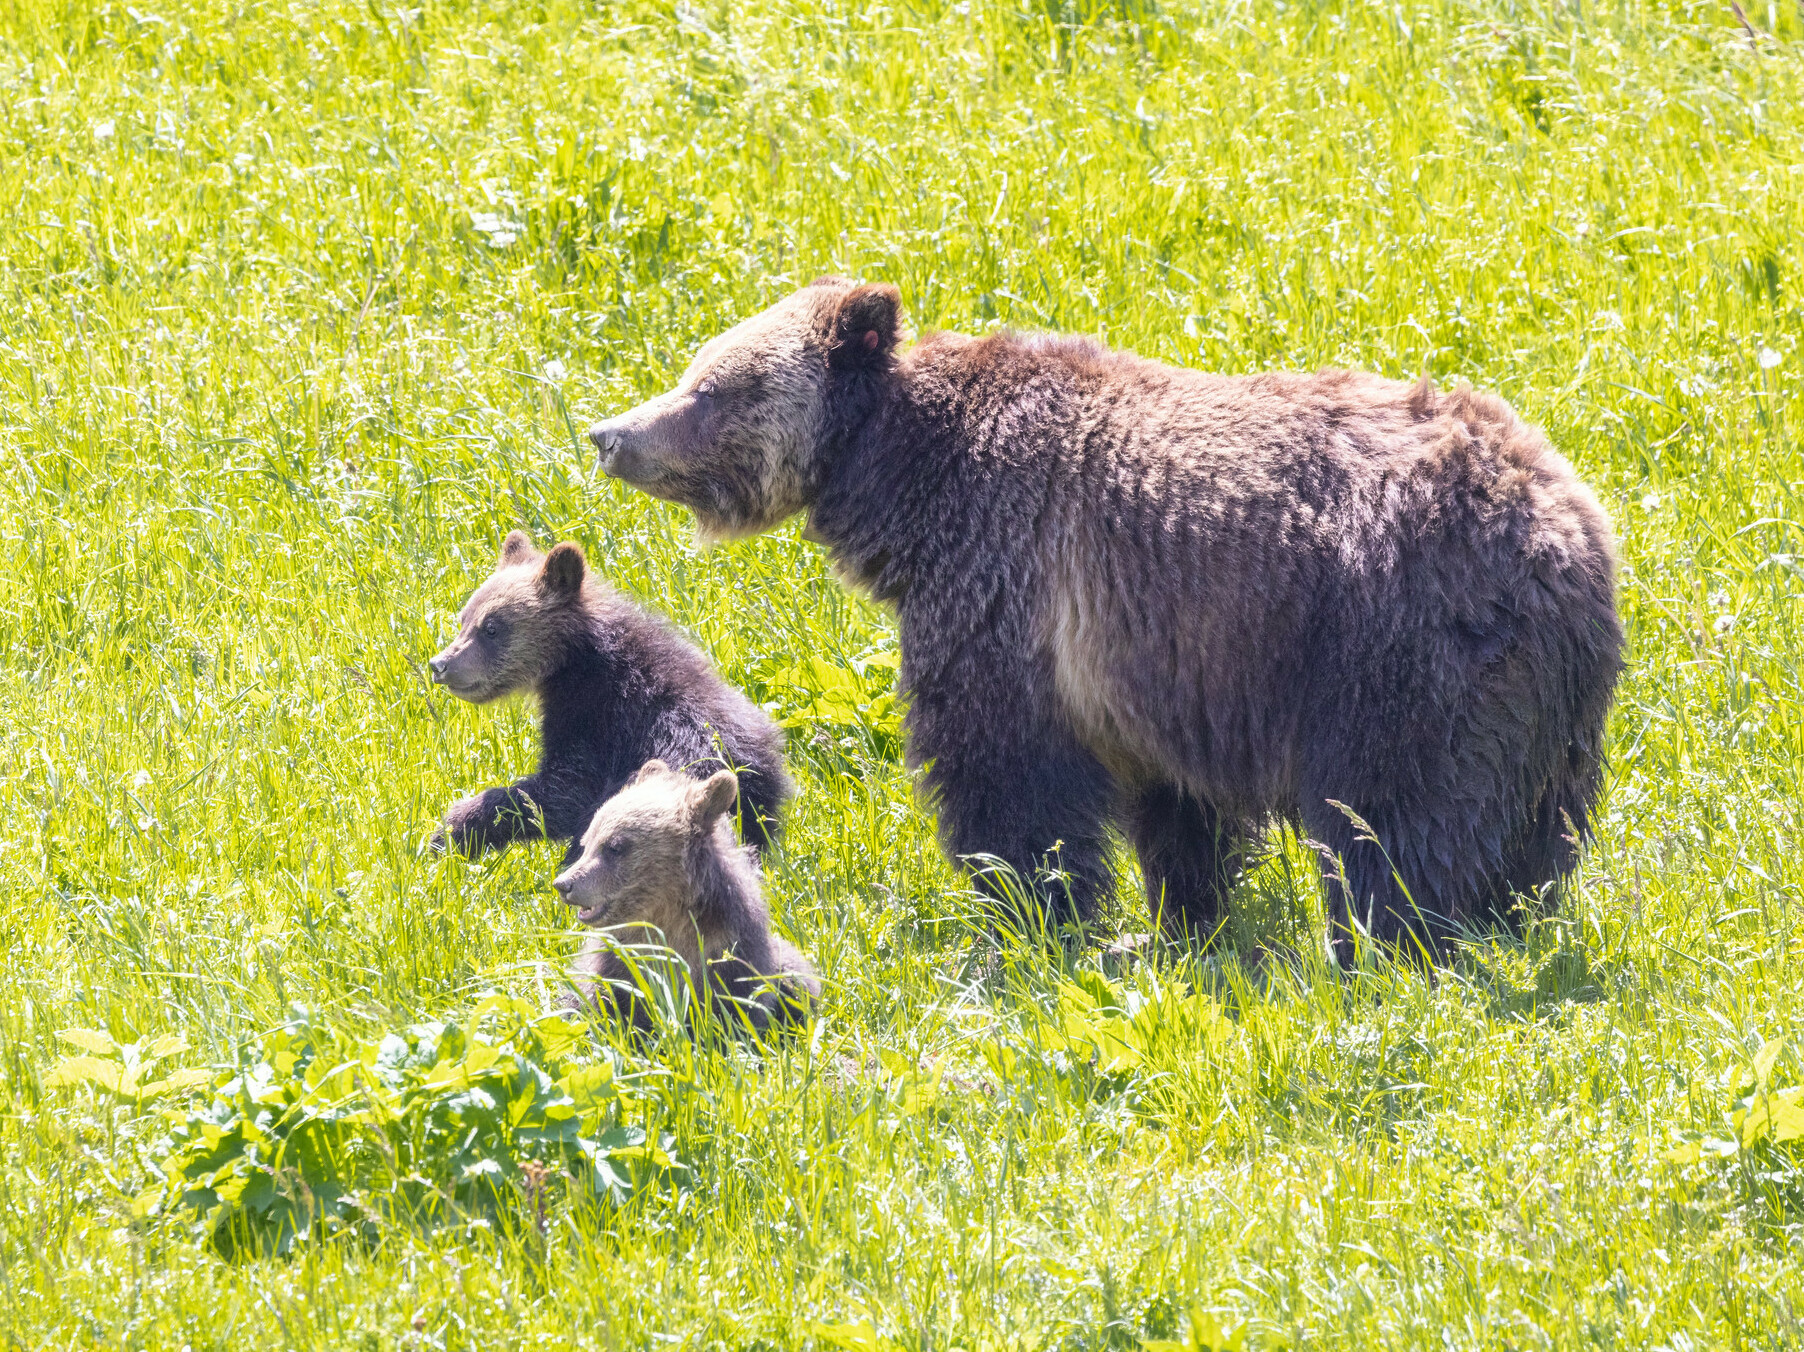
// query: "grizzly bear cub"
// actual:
[[659, 862], [1183, 603], [616, 687]]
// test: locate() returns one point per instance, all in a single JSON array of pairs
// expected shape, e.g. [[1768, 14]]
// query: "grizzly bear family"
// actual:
[[1181, 603]]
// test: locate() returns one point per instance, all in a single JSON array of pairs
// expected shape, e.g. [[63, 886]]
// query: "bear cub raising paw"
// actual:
[[616, 687], [659, 862]]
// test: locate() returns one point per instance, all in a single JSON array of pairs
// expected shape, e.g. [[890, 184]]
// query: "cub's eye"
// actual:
[[613, 849], [489, 627], [706, 389]]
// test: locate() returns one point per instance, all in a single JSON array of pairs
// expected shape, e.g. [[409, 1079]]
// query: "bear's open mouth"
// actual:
[[591, 915]]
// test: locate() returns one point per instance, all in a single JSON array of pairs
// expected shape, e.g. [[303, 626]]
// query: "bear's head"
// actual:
[[514, 631], [646, 853], [740, 440]]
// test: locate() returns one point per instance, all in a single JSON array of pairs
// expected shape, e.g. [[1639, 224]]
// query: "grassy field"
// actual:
[[304, 303]]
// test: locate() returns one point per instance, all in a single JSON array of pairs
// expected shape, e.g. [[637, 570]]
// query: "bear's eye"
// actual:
[[489, 627], [706, 389], [614, 848]]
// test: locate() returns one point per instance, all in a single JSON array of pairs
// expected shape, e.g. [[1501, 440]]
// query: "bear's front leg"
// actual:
[[492, 819], [1189, 855], [1008, 781]]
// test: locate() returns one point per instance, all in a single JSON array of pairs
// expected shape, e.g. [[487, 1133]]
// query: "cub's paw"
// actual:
[[462, 828]]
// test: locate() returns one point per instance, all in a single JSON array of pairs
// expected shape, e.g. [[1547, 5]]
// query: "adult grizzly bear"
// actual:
[[616, 687], [1180, 601]]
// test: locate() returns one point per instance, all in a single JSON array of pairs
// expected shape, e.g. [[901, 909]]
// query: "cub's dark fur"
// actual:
[[1182, 602], [616, 687], [660, 871]]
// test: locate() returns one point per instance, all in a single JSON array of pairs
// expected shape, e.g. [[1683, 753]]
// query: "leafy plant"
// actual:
[[855, 701], [122, 1069], [437, 1122], [1762, 1146]]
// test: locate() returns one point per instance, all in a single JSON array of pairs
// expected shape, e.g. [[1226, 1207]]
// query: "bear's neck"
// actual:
[[727, 901], [898, 471]]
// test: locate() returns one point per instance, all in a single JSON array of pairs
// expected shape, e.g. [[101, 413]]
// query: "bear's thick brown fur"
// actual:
[[1183, 602], [615, 686], [659, 868]]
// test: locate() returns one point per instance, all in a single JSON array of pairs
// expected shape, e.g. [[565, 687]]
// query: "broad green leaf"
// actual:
[[1764, 1059], [1777, 1117], [160, 1048], [74, 1070], [175, 1083], [90, 1040]]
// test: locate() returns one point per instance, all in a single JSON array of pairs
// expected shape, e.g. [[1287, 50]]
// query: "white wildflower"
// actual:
[[1769, 358], [1650, 501], [500, 231]]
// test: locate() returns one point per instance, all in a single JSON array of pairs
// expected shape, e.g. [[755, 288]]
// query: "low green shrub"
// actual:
[[489, 1120]]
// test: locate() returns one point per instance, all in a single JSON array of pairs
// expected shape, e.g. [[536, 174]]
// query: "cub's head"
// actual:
[[739, 440], [644, 848], [513, 632]]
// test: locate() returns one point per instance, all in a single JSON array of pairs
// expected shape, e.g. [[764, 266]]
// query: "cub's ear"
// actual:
[[647, 770], [714, 796], [517, 548], [866, 327], [561, 575]]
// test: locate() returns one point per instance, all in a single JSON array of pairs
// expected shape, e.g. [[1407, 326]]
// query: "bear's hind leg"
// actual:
[[1543, 854], [1189, 854], [1409, 892]]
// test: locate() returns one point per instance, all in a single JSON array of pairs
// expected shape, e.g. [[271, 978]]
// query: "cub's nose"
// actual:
[[563, 884], [437, 664]]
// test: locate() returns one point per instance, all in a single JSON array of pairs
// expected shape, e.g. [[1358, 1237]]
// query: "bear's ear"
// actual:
[[517, 548], [561, 575], [714, 796], [866, 327], [647, 770]]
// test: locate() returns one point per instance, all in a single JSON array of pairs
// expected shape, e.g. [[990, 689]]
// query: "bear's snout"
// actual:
[[576, 886], [459, 671], [607, 437]]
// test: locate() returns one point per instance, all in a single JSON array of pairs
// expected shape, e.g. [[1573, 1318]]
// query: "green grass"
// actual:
[[303, 304]]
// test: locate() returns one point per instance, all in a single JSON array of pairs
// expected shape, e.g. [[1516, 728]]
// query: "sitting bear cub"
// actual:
[[615, 686], [659, 860]]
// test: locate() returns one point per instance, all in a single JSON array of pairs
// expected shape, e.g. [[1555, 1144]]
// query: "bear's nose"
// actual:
[[437, 664], [607, 438], [563, 884]]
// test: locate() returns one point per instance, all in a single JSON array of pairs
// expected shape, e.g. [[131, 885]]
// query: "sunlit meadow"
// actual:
[[305, 303]]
